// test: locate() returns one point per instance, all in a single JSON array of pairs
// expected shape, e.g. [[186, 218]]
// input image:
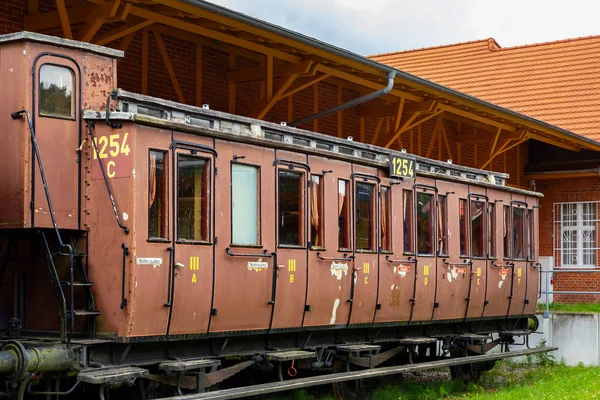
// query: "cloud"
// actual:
[[376, 26]]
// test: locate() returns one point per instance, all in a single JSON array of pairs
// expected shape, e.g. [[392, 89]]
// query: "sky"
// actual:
[[379, 26]]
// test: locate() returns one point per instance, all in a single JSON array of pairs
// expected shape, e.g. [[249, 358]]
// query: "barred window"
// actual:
[[577, 226]]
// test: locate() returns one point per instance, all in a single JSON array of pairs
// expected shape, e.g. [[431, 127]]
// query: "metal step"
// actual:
[[289, 355], [189, 365], [86, 313], [111, 375], [523, 332], [417, 340], [83, 284], [357, 348]]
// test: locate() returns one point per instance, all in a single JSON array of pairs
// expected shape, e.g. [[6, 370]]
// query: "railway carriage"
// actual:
[[179, 246]]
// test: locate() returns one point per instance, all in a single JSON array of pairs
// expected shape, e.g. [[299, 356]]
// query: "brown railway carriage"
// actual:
[[147, 223]]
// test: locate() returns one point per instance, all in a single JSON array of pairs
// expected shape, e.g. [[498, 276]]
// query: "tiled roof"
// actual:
[[556, 82]]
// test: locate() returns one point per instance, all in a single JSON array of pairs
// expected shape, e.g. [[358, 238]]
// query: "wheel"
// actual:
[[357, 389], [471, 372]]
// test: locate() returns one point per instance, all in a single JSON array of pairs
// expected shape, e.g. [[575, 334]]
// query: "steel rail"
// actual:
[[292, 384]]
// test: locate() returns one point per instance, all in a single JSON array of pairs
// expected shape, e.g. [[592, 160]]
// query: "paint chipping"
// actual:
[[338, 270], [336, 304], [133, 173], [125, 216]]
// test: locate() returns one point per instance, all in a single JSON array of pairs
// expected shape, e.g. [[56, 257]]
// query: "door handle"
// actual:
[[179, 265]]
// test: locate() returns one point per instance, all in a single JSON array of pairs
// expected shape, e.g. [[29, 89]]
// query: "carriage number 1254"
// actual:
[[403, 167]]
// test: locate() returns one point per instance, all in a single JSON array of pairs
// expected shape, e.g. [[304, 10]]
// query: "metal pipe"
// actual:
[[354, 102], [16, 360]]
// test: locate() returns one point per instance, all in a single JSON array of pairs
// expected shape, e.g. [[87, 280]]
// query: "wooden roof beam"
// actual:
[[130, 27], [475, 117], [479, 137], [259, 73]]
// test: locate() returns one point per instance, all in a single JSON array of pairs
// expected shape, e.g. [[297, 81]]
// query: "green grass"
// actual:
[[577, 307]]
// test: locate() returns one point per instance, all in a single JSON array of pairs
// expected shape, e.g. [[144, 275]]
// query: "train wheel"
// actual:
[[357, 389], [470, 372]]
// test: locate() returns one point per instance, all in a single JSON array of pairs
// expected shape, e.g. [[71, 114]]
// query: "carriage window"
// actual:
[[193, 198], [386, 225], [407, 201], [518, 232], [157, 195], [492, 230], [245, 221], [317, 219], [462, 217], [442, 225], [425, 223], [343, 215], [365, 217], [506, 232], [56, 91], [530, 236], [477, 229], [291, 209]]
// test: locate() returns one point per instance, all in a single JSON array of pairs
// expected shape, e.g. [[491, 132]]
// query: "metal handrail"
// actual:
[[409, 261], [344, 258], [547, 292], [264, 254]]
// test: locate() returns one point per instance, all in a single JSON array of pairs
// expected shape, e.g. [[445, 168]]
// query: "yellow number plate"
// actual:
[[402, 167]]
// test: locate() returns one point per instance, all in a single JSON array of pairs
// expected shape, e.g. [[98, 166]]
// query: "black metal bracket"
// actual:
[[265, 253], [125, 254], [114, 95]]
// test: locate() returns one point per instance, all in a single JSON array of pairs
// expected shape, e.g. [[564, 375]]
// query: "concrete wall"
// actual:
[[577, 337]]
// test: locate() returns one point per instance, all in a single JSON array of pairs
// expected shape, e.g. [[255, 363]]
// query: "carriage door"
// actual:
[[533, 274], [426, 239], [479, 235], [366, 242], [330, 253], [192, 259], [499, 265], [453, 262], [56, 120], [519, 244], [245, 226], [292, 226]]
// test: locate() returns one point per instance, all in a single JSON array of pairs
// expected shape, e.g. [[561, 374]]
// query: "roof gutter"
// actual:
[[351, 103], [382, 67]]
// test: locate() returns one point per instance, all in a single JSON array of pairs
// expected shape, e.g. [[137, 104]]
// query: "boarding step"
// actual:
[[111, 375], [414, 341], [82, 284], [472, 337], [522, 332], [289, 355], [86, 313], [357, 348], [189, 365]]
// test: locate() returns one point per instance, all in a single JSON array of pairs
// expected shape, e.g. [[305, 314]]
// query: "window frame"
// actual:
[[322, 224], [492, 231], [390, 231], [74, 95], [484, 228], [259, 203], [411, 228], [579, 227], [166, 164], [373, 221], [467, 211], [444, 220], [434, 215], [507, 250], [211, 161], [517, 205], [349, 208], [303, 204]]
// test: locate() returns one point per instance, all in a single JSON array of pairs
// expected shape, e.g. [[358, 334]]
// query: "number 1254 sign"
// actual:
[[402, 167]]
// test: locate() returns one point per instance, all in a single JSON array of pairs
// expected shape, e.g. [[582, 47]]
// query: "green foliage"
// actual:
[[575, 308], [544, 359]]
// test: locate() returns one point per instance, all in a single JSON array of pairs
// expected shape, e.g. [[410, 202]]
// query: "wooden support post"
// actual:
[[64, 19], [199, 51], [419, 140], [145, 61], [169, 66], [458, 145], [316, 107], [411, 145], [377, 130], [339, 114], [123, 31], [519, 164], [232, 95], [439, 140]]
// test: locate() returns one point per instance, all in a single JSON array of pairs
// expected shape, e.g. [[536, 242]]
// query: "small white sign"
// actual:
[[256, 265], [148, 261], [339, 266]]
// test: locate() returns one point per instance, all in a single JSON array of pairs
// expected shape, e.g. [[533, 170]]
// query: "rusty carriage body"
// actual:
[[137, 230]]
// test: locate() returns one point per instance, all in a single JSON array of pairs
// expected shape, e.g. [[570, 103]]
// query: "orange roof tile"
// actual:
[[556, 82]]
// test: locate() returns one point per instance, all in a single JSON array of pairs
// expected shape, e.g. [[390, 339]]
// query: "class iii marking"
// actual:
[[292, 265], [194, 263]]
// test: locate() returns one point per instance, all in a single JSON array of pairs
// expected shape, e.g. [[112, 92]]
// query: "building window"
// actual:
[[291, 209], [462, 217], [157, 195], [317, 218], [245, 212], [578, 234], [343, 215], [407, 218], [193, 198], [365, 216], [492, 230], [425, 223], [518, 233], [386, 219], [477, 229], [443, 225], [506, 232], [56, 91]]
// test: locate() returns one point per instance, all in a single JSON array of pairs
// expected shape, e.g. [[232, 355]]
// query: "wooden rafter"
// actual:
[[124, 30], [412, 120], [97, 18], [398, 116], [304, 85], [377, 130], [506, 146], [169, 66], [64, 19], [481, 137], [453, 110]]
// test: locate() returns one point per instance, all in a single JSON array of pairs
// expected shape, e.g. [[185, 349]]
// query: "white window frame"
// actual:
[[585, 224]]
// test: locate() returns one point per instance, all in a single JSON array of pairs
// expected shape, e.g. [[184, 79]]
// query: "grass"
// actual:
[[508, 380], [577, 307]]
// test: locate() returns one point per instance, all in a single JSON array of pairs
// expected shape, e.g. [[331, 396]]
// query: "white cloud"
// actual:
[[377, 26]]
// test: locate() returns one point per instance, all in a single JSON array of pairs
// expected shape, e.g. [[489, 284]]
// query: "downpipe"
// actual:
[[16, 361], [351, 103]]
